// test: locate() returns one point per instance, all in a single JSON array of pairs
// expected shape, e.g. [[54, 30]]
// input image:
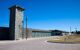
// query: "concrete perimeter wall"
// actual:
[[4, 33]]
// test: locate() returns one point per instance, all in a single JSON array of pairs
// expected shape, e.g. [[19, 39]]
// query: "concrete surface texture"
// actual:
[[37, 44]]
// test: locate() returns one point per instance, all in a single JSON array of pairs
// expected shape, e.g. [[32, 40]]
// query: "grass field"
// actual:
[[71, 39]]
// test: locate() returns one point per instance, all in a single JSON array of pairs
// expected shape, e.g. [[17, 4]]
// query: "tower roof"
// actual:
[[18, 7]]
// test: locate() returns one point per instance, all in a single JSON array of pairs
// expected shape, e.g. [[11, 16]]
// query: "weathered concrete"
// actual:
[[38, 44], [16, 22]]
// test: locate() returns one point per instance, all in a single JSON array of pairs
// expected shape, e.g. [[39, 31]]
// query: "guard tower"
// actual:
[[16, 23]]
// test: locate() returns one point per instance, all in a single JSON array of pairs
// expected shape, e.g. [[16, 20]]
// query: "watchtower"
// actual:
[[16, 22]]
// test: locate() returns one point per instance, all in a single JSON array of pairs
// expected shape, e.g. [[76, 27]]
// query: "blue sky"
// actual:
[[45, 14]]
